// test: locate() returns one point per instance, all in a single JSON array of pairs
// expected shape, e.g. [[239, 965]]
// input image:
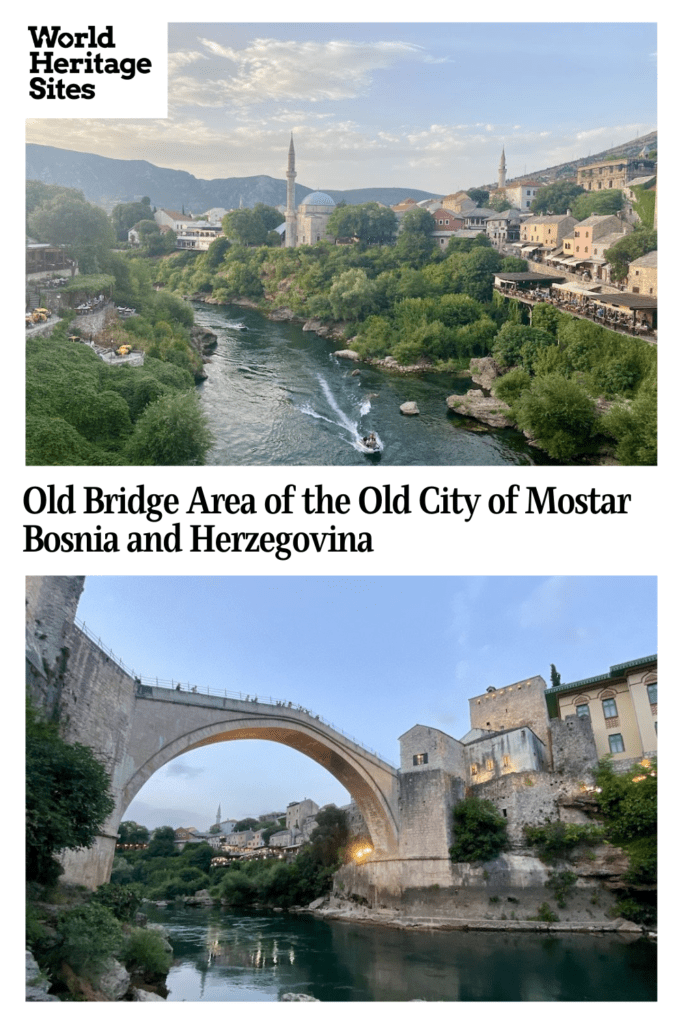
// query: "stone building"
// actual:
[[642, 275], [588, 231], [503, 228], [547, 230], [606, 174], [306, 224]]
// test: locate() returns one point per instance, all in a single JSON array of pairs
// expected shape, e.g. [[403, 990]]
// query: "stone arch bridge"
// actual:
[[167, 723], [135, 728]]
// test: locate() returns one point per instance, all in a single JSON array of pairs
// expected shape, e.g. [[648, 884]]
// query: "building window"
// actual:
[[489, 765], [652, 693], [506, 760], [473, 769], [420, 758], [582, 710], [609, 707], [616, 743]]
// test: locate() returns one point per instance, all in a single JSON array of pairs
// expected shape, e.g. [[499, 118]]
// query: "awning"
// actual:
[[597, 259], [530, 248]]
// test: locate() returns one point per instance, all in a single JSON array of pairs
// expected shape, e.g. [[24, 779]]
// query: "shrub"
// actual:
[[122, 900], [545, 914], [147, 952], [479, 831], [557, 839], [90, 934], [561, 882]]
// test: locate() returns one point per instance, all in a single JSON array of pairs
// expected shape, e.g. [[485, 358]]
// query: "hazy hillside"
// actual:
[[106, 181], [570, 168]]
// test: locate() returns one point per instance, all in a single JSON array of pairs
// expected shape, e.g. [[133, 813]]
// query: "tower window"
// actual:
[[420, 759]]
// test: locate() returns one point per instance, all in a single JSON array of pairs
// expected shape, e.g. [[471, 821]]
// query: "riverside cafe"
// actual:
[[629, 311]]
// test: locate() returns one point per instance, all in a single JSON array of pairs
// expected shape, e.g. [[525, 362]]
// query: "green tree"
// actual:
[[556, 198], [67, 797], [170, 432], [634, 425], [479, 195], [132, 834], [352, 296], [477, 270], [602, 203], [629, 248], [245, 824], [627, 801], [38, 193], [125, 215], [554, 676], [500, 203], [162, 843], [415, 243], [83, 228], [559, 414], [329, 837], [479, 831]]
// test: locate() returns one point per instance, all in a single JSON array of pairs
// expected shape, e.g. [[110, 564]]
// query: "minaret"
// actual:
[[290, 212], [501, 170], [218, 815]]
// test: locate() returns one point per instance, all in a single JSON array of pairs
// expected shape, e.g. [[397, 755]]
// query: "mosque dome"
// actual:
[[319, 199]]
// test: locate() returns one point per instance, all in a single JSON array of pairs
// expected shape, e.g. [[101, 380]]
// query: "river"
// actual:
[[275, 395], [221, 957]]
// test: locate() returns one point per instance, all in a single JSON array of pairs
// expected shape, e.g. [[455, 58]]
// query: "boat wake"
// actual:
[[351, 427]]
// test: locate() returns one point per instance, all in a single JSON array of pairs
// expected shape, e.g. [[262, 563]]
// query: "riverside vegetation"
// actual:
[[426, 308], [625, 808], [77, 936]]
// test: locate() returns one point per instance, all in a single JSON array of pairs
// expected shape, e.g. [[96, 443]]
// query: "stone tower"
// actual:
[[501, 170], [290, 212]]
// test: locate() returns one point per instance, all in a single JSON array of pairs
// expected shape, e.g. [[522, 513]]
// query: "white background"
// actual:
[[646, 541]]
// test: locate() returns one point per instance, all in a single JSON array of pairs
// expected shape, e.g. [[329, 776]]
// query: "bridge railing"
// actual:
[[182, 686]]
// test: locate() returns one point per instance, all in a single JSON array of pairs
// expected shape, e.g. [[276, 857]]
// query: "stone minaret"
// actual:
[[218, 815], [290, 212], [501, 170]]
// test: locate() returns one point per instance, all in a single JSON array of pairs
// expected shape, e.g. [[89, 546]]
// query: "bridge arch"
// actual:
[[166, 725]]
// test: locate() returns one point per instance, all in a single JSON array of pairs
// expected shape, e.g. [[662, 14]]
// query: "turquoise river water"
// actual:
[[221, 956], [275, 395]]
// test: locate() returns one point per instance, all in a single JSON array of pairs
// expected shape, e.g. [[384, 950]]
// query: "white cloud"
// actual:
[[274, 69]]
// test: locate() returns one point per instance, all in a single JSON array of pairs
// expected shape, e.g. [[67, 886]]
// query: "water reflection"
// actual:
[[253, 957]]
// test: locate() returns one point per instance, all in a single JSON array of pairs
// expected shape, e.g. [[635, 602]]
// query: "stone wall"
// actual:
[[573, 746], [432, 748], [507, 707], [425, 802], [530, 798], [514, 750], [51, 603]]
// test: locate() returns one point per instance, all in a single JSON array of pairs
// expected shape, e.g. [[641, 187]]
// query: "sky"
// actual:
[[425, 105], [371, 655]]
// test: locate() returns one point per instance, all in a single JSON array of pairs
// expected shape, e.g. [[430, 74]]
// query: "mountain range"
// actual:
[[106, 181]]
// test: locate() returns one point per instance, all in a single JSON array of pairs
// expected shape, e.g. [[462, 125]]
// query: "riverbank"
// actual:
[[333, 909]]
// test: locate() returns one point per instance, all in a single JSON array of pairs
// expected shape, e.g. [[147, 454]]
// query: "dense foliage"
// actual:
[[479, 831], [557, 840], [629, 248], [67, 797], [628, 807], [82, 412]]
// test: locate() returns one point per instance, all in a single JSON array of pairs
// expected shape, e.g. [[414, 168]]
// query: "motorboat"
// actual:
[[370, 444]]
